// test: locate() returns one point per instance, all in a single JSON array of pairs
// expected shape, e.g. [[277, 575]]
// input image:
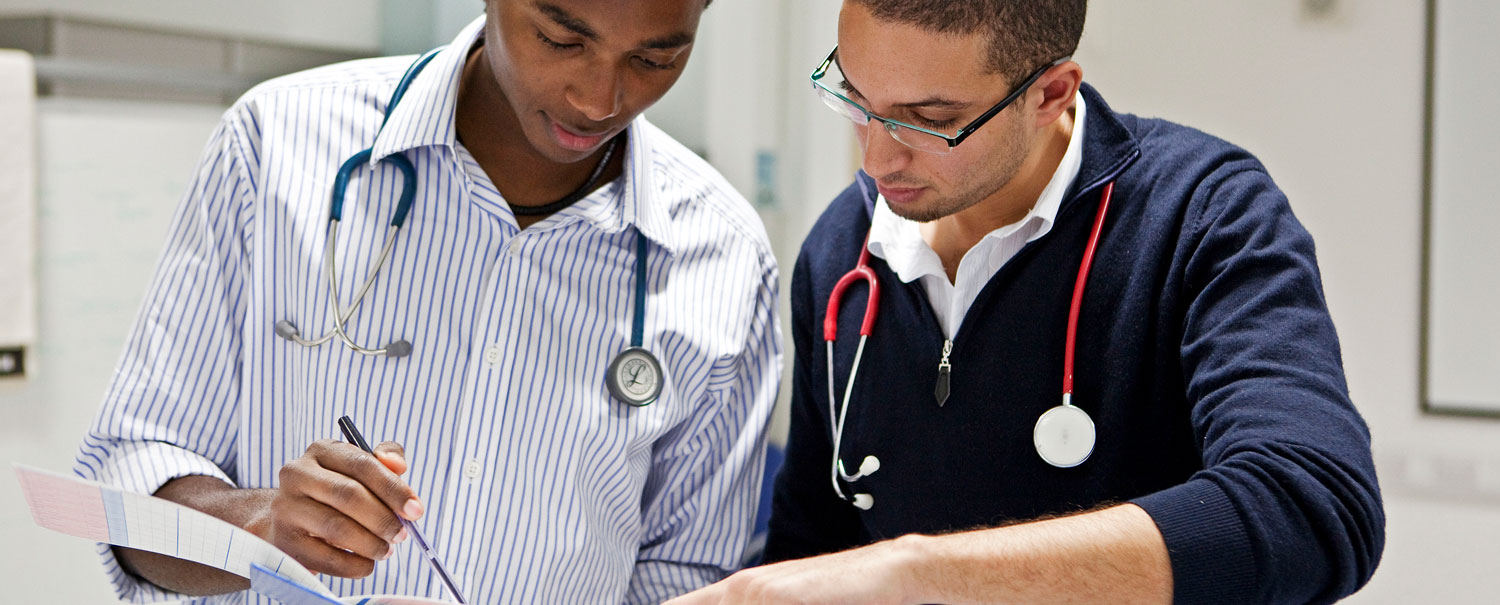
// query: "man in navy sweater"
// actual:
[[1207, 450]]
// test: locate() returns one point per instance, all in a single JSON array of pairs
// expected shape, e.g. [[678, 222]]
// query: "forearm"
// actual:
[[246, 508], [1112, 555]]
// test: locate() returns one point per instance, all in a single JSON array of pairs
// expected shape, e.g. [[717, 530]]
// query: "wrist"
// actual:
[[249, 509], [913, 558]]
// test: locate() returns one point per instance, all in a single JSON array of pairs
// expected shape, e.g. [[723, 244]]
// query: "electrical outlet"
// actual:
[[12, 362]]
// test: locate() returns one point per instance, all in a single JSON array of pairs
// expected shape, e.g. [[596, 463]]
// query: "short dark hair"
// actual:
[[1023, 34]]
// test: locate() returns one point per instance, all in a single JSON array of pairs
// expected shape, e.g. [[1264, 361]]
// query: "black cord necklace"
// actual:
[[577, 194]]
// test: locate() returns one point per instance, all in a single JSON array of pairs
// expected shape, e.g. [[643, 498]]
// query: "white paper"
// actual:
[[17, 199], [103, 513]]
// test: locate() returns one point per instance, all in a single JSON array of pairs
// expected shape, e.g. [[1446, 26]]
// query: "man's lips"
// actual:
[[899, 195], [575, 139]]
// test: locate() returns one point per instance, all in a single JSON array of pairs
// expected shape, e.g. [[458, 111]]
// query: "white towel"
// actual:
[[18, 281]]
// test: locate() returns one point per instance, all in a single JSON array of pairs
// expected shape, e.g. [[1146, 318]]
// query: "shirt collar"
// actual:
[[640, 203], [425, 117], [899, 243], [1051, 199]]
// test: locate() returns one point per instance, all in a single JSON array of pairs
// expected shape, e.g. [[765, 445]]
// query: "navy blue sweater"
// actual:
[[1206, 357]]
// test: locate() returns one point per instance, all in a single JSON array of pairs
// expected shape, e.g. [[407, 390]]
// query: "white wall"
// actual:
[[335, 24], [411, 26], [111, 174]]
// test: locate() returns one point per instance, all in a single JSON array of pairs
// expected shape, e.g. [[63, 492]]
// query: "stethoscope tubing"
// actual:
[[334, 306], [1078, 287], [863, 272], [402, 348], [341, 315]]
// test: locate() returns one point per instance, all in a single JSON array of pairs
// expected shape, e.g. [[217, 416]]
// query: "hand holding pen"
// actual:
[[338, 510], [352, 434]]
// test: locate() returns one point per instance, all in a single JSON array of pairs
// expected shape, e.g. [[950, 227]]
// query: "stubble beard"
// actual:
[[983, 183]]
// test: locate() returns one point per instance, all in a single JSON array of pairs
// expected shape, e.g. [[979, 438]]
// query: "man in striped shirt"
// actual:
[[537, 189]]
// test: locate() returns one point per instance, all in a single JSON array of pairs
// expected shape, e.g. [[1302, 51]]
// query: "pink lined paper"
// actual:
[[64, 505]]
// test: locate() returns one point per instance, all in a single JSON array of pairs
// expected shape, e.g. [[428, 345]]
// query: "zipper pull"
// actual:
[[944, 368]]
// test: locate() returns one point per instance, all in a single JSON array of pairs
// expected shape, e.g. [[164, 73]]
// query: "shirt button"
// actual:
[[471, 470], [492, 355]]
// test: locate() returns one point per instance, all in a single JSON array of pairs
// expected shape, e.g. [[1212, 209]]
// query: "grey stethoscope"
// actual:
[[1063, 435], [635, 375]]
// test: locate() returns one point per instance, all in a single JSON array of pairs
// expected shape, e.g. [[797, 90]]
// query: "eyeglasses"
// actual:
[[915, 137]]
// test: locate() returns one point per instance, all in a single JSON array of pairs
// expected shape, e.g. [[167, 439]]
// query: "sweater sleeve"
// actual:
[[1286, 508], [807, 518]]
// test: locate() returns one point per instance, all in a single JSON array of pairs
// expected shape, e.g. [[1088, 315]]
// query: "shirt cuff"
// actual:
[[144, 466], [1212, 560]]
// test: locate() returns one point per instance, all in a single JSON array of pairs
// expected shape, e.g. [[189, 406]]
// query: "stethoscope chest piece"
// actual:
[[635, 377], [1064, 436]]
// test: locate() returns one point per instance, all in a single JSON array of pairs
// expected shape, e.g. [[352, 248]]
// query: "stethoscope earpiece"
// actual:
[[400, 348], [867, 467], [287, 330]]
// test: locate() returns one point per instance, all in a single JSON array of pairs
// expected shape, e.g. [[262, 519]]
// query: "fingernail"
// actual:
[[413, 509], [389, 550], [400, 537]]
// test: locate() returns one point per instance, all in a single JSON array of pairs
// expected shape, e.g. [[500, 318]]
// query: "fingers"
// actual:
[[324, 539], [336, 507], [318, 556], [393, 456], [343, 495], [352, 483], [371, 473]]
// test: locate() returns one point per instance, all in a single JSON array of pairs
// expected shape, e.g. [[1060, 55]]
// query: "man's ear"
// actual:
[[1057, 89]]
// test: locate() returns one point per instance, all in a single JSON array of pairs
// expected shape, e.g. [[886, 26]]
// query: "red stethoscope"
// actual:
[[1063, 436]]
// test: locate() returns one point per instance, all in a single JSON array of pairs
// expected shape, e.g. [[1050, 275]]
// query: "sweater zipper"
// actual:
[[944, 369]]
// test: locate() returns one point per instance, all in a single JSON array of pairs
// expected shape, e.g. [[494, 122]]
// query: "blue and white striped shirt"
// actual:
[[539, 486]]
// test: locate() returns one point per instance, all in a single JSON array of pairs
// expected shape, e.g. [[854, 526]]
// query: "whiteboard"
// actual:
[[111, 175], [1462, 269]]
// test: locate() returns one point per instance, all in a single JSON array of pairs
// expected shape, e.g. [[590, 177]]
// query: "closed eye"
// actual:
[[553, 43], [649, 64], [934, 124]]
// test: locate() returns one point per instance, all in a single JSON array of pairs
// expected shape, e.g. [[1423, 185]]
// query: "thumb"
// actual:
[[392, 455]]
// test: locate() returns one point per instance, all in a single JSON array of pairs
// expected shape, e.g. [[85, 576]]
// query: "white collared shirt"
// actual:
[[539, 486], [905, 248]]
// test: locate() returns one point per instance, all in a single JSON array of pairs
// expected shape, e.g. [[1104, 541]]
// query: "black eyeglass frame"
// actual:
[[965, 131]]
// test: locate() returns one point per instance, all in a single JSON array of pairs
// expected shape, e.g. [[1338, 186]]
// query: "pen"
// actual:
[[352, 434]]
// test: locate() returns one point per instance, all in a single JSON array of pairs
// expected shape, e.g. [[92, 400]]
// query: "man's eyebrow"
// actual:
[[931, 102], [567, 20], [669, 41], [578, 26], [935, 103]]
